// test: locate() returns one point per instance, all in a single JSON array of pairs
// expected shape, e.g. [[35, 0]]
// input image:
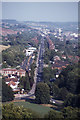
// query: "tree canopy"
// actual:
[[42, 93], [7, 93], [10, 111], [24, 82]]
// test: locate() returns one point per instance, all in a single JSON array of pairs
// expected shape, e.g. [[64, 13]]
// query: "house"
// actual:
[[21, 72], [60, 65], [63, 56], [9, 71], [35, 40], [30, 51], [13, 85], [7, 80], [51, 44], [56, 58], [12, 82]]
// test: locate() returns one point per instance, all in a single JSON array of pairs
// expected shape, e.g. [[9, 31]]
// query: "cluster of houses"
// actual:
[[51, 44], [60, 65], [35, 40], [74, 59], [5, 31], [12, 77]]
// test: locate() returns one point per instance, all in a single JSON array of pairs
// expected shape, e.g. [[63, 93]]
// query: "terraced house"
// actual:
[[8, 71]]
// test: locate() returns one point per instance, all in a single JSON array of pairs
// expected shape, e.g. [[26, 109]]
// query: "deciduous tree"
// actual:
[[42, 93]]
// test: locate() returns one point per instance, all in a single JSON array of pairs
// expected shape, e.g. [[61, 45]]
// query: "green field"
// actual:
[[42, 110]]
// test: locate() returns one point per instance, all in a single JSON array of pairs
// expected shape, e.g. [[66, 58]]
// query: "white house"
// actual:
[[30, 51], [13, 85]]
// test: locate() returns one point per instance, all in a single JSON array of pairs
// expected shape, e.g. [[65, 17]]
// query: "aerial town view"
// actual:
[[40, 63]]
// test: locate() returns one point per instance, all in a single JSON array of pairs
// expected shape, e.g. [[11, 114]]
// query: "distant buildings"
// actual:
[[6, 31], [74, 35], [51, 44], [74, 59], [35, 40], [60, 31], [12, 77]]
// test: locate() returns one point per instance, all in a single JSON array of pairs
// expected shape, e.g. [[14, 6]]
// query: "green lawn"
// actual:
[[42, 110]]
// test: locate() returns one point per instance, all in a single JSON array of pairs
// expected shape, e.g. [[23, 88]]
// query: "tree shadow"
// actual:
[[29, 100]]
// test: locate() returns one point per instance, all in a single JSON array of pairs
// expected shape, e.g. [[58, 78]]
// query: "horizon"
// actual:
[[42, 21]]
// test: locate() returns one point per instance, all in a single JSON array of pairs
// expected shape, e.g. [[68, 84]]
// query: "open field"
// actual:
[[42, 110], [3, 47]]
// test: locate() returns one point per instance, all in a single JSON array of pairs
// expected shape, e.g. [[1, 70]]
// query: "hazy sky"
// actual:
[[41, 11]]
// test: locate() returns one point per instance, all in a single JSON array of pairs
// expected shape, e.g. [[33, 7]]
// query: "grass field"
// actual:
[[3, 47], [42, 110]]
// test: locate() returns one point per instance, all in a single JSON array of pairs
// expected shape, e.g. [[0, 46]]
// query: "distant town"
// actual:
[[38, 61], [44, 34]]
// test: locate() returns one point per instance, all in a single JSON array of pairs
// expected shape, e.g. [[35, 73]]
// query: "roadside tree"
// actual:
[[42, 93]]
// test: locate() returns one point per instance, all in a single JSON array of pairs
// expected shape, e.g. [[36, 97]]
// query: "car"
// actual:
[[52, 101]]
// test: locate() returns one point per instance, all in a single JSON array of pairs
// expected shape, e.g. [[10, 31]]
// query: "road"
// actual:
[[39, 67], [38, 71], [40, 61], [32, 91], [27, 62], [24, 63]]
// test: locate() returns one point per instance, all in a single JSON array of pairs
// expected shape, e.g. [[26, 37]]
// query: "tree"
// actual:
[[32, 74], [71, 113], [72, 100], [12, 112], [48, 74], [70, 78], [63, 93], [27, 82], [68, 101], [54, 90], [13, 55], [42, 93], [67, 113], [7, 93], [53, 115], [24, 82]]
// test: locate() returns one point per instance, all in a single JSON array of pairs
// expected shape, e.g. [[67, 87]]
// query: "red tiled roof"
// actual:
[[7, 31], [7, 69], [70, 56], [35, 39], [11, 83], [60, 64], [21, 70], [11, 79], [51, 44]]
